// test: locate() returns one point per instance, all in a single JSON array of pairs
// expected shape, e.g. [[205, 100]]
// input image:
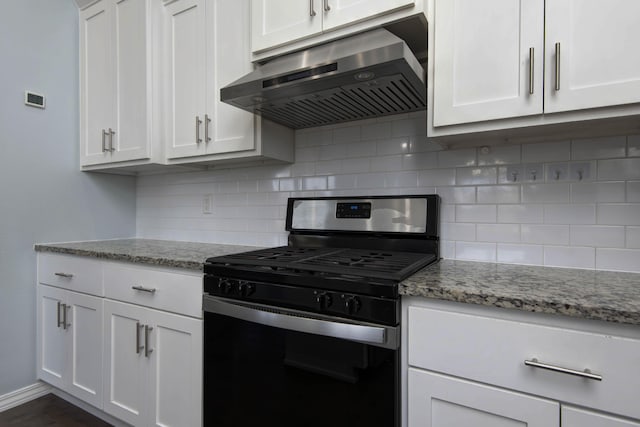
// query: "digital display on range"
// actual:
[[353, 210]]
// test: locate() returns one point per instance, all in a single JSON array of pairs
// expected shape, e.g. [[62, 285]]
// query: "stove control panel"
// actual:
[[353, 210]]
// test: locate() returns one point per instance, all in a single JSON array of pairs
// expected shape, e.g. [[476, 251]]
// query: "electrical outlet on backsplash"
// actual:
[[588, 216]]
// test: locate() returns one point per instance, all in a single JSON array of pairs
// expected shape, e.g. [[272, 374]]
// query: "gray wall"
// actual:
[[43, 195]]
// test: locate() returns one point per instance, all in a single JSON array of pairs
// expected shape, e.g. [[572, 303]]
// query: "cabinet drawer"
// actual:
[[493, 351], [164, 290], [70, 272]]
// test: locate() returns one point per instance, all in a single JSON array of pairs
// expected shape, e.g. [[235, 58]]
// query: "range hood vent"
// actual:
[[368, 75]]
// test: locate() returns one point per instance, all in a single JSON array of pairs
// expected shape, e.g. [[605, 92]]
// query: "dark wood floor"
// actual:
[[46, 411]]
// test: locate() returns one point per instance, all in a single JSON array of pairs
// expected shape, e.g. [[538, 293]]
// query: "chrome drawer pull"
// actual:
[[67, 275], [147, 332], [584, 374], [143, 289]]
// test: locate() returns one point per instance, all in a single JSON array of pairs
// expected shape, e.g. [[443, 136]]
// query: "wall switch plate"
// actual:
[[207, 204], [580, 171], [557, 172], [533, 172]]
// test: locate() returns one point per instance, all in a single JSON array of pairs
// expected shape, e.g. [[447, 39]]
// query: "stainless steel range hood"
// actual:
[[367, 75]]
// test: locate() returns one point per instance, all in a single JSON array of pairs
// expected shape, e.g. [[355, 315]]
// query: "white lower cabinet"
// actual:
[[69, 346], [477, 366], [441, 401], [153, 373]]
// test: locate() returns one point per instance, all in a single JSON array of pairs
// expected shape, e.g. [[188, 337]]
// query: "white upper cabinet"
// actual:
[[280, 22], [596, 63], [506, 64], [114, 83], [206, 46], [488, 60]]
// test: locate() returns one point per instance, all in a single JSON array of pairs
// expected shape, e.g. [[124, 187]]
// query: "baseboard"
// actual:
[[88, 408], [23, 395]]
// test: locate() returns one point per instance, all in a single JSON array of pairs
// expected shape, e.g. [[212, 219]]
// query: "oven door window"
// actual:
[[257, 375]]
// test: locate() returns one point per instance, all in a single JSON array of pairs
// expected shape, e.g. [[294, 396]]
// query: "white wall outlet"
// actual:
[[557, 172], [533, 172], [207, 204], [580, 171], [514, 173]]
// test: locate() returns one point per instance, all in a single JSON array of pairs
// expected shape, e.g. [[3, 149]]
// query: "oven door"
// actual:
[[268, 366]]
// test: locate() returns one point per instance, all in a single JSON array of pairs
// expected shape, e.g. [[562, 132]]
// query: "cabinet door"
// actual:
[[599, 65], [276, 22], [440, 401], [85, 341], [345, 12], [52, 337], [129, 39], [176, 370], [125, 374], [482, 60], [187, 77], [231, 129], [574, 417], [97, 88]]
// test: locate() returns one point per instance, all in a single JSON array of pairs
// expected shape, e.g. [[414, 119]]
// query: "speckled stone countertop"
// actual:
[[599, 295], [165, 253]]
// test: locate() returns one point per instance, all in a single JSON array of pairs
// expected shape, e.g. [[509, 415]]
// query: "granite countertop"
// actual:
[[167, 253], [599, 295]]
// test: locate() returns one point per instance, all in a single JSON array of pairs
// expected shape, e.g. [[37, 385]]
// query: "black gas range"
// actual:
[[323, 311]]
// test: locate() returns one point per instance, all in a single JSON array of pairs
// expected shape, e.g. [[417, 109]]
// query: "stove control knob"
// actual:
[[324, 300], [352, 305], [224, 286], [246, 289]]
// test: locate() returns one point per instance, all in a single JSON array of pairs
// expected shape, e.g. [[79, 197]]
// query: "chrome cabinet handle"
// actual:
[[104, 141], [531, 51], [65, 325], [327, 8], [143, 289], [198, 123], [66, 275], [584, 373], [558, 66], [111, 133], [147, 331], [312, 12], [138, 346], [207, 120], [58, 316]]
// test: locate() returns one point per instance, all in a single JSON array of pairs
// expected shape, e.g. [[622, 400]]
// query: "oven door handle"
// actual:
[[293, 320]]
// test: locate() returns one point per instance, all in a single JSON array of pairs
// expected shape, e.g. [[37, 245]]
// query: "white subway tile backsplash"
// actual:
[[619, 214], [520, 214], [457, 158], [599, 192], [618, 259], [597, 236], [633, 191], [599, 148], [473, 176], [476, 213], [520, 254], [499, 194], [500, 155], [633, 145], [572, 257], [454, 194], [633, 238], [545, 193], [545, 234], [507, 233], [546, 152], [438, 177], [593, 223], [619, 169], [570, 214], [471, 251]]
